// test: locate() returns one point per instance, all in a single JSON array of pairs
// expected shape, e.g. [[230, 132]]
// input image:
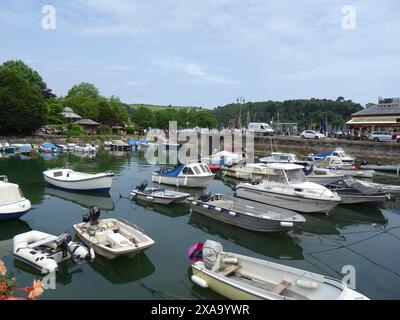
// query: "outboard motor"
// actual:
[[364, 162], [93, 216], [206, 196], [63, 242], [142, 186]]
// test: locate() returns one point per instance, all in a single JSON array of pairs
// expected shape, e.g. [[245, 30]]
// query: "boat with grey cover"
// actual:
[[246, 214]]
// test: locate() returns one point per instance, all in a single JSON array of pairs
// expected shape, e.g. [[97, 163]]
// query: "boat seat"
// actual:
[[229, 270], [282, 286], [42, 242]]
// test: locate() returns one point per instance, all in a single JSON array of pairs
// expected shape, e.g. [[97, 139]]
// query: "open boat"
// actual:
[[246, 214], [44, 251], [279, 157], [79, 181], [353, 192], [286, 186], [239, 277], [195, 175], [335, 164], [322, 175], [13, 204], [338, 152], [246, 171], [111, 238], [158, 195]]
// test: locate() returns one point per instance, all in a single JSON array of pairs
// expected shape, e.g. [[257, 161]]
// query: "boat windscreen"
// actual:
[[296, 176]]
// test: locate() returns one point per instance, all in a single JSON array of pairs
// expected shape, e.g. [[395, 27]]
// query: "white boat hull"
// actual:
[[295, 203], [183, 181], [14, 210], [100, 182]]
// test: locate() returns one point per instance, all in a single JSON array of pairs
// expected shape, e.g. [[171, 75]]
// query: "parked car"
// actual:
[[380, 136], [311, 134], [261, 128]]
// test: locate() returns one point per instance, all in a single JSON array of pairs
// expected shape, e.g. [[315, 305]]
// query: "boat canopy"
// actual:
[[48, 146], [9, 193], [323, 154], [132, 142], [174, 172]]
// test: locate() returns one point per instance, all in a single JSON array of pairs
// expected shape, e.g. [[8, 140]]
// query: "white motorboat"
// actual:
[[322, 175], [286, 186], [279, 157], [240, 277], [246, 171], [196, 175], [158, 195], [224, 158], [338, 152], [13, 204], [85, 148], [111, 238], [79, 181], [44, 251], [347, 169]]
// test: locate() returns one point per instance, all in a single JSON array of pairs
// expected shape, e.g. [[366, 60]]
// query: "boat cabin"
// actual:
[[10, 193], [285, 173], [279, 157], [190, 169]]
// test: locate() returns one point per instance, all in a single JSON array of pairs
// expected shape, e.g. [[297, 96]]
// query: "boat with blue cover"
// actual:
[[192, 175]]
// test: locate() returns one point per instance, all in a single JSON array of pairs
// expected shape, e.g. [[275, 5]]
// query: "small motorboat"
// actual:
[[44, 251], [240, 277], [335, 164], [246, 214], [214, 167], [192, 175], [279, 157], [13, 204], [111, 238], [322, 175], [158, 195], [85, 148], [6, 148], [246, 171], [48, 148], [286, 186], [338, 152], [79, 181], [354, 192], [224, 158]]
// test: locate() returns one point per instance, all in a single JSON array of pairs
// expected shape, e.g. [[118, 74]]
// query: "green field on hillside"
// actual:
[[159, 108]]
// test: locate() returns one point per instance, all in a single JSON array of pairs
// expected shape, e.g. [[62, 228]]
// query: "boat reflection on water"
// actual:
[[319, 224], [8, 230], [86, 200], [124, 270], [65, 273], [172, 210], [278, 246], [357, 215]]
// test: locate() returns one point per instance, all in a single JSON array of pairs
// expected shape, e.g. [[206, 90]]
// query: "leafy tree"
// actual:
[[30, 75], [82, 105], [55, 108], [84, 89], [22, 107], [143, 117]]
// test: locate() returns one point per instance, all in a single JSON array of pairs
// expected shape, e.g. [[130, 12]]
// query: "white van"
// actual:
[[261, 128]]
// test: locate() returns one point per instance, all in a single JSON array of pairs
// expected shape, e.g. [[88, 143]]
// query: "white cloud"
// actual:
[[136, 83], [193, 70]]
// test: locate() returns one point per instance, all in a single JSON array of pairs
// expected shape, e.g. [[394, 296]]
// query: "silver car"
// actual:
[[380, 136]]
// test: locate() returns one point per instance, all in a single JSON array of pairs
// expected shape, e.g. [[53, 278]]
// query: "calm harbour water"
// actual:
[[367, 238]]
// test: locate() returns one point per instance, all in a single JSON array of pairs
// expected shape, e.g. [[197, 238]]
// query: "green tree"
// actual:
[[55, 108], [143, 117], [22, 108], [30, 75], [86, 90]]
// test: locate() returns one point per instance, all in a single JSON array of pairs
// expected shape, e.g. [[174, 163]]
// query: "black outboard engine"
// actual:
[[93, 216], [206, 196], [364, 162], [142, 186], [62, 242]]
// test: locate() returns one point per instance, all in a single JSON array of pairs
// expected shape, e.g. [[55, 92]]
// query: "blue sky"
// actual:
[[209, 52]]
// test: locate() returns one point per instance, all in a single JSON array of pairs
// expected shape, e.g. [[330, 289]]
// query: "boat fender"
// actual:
[[218, 209], [150, 198], [199, 281], [307, 284], [133, 194], [205, 206], [232, 213], [194, 203], [286, 224], [92, 254], [230, 260]]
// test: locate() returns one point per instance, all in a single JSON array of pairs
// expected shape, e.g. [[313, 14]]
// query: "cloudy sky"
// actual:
[[209, 52]]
